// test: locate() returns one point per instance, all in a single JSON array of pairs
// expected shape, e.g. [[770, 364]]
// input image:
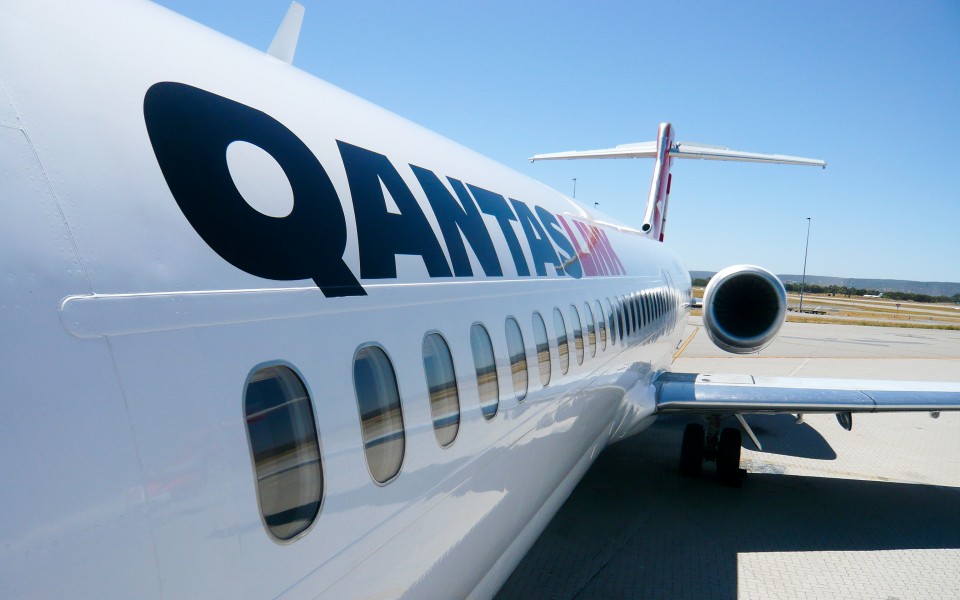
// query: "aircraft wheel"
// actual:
[[691, 451], [728, 457]]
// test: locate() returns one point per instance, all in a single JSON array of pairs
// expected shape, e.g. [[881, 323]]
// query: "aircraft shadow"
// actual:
[[779, 434], [633, 528]]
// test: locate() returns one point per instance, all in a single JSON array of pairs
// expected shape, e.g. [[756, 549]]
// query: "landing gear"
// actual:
[[691, 451], [728, 458], [720, 446]]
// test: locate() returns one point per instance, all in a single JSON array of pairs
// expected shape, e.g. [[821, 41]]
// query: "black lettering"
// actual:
[[541, 250], [494, 204], [190, 130], [456, 218], [381, 234], [568, 257]]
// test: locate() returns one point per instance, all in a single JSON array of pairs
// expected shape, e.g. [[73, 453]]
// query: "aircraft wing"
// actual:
[[727, 393]]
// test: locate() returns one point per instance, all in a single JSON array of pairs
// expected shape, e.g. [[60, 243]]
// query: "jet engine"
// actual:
[[743, 308]]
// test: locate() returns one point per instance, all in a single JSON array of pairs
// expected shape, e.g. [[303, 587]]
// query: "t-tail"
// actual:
[[664, 149]]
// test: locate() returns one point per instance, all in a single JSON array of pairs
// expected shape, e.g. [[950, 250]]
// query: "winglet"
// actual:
[[284, 43]]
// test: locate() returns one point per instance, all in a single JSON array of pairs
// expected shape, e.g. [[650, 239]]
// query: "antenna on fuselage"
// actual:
[[664, 149], [284, 43]]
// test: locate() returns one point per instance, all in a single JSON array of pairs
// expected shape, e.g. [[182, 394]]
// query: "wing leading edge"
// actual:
[[724, 394]]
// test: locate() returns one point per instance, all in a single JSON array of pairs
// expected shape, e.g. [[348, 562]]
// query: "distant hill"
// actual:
[[932, 288]]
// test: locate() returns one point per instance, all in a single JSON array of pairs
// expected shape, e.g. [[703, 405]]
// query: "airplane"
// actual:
[[263, 339], [880, 295]]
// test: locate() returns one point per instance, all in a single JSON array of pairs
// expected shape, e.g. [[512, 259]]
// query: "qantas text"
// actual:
[[191, 128]]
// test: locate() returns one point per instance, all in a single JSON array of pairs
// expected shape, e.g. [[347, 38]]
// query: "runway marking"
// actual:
[[800, 366], [686, 343]]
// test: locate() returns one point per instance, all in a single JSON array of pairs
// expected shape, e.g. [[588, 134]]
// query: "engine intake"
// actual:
[[743, 308]]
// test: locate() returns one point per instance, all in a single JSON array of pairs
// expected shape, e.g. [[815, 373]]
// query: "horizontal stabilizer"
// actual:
[[716, 393], [682, 150], [641, 150]]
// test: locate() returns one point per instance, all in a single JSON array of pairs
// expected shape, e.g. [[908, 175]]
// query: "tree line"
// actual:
[[842, 290]]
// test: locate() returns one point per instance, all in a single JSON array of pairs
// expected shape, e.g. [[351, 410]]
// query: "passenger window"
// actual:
[[625, 314], [611, 322], [543, 348], [285, 450], [488, 386], [642, 310], [381, 418], [561, 328], [577, 333], [591, 328], [620, 323], [645, 305], [518, 358], [442, 387], [601, 326]]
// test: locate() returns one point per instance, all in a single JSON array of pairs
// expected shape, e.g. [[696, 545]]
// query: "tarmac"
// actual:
[[823, 513]]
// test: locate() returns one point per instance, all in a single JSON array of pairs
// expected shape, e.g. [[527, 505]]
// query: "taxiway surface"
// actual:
[[824, 513]]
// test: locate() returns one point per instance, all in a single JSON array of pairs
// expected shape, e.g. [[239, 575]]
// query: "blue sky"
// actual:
[[871, 87]]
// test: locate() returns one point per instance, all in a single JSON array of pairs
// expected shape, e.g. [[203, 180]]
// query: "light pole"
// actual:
[[574, 188], [803, 279]]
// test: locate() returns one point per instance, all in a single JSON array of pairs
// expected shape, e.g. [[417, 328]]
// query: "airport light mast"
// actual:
[[803, 278]]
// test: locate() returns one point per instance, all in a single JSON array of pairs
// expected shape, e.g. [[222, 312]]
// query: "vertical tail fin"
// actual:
[[656, 213], [284, 43]]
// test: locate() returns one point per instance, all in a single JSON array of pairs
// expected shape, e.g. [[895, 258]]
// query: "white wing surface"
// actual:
[[724, 394]]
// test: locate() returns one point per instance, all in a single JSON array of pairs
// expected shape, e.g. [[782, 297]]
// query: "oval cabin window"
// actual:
[[601, 327], [577, 333], [543, 348], [381, 418], [488, 386], [591, 329], [518, 358], [562, 347], [611, 322], [285, 450], [442, 388]]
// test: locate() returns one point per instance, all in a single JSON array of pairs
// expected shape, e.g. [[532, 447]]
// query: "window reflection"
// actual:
[[620, 317], [562, 348], [577, 333], [488, 387], [286, 451], [611, 322], [591, 329], [381, 418], [543, 348], [601, 326], [518, 358], [442, 387]]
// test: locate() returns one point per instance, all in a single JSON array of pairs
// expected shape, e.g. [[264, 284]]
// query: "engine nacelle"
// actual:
[[743, 308]]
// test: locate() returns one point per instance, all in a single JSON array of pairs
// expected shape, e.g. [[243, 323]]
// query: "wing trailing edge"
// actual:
[[724, 394]]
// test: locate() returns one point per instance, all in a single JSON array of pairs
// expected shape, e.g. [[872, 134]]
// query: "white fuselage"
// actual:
[[127, 340]]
